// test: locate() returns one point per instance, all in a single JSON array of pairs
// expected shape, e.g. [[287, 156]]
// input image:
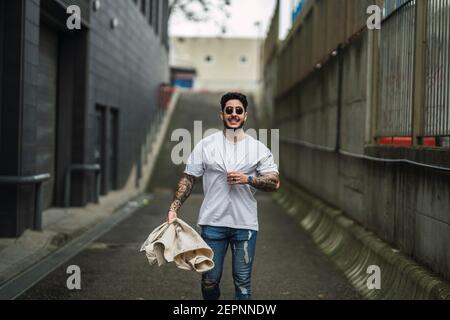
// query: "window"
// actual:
[[243, 59], [209, 58]]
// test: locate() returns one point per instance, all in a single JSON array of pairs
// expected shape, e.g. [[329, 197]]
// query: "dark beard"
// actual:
[[235, 129]]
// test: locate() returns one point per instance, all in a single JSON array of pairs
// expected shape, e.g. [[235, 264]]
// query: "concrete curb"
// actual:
[[353, 249]]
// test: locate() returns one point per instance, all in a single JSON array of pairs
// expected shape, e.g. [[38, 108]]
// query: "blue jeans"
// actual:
[[243, 245]]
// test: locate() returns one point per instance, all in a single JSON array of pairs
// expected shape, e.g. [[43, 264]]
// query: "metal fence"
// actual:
[[411, 70], [321, 27], [271, 42], [390, 6], [414, 70], [396, 68], [437, 92]]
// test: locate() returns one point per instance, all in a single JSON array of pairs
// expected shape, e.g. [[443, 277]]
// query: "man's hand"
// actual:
[[183, 191], [236, 178], [171, 216]]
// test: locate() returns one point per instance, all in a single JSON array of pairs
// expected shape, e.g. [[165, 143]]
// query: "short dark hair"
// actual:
[[234, 96]]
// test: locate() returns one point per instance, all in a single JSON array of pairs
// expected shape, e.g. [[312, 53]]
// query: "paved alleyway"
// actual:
[[287, 263]]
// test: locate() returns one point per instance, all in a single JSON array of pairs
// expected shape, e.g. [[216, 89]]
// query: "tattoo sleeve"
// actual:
[[183, 191], [267, 183]]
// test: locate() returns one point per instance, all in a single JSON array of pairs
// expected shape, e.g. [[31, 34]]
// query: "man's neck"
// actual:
[[234, 135]]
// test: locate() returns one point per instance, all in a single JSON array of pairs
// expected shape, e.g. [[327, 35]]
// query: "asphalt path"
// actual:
[[287, 263]]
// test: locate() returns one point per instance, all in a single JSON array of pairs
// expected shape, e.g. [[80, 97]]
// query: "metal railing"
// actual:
[[411, 73], [94, 168], [414, 70], [312, 146], [271, 42], [437, 85], [392, 6], [36, 180], [396, 71], [320, 28]]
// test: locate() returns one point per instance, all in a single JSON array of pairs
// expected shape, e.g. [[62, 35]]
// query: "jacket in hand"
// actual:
[[178, 242]]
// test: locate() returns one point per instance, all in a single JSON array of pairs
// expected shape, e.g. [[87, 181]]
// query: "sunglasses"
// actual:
[[229, 110]]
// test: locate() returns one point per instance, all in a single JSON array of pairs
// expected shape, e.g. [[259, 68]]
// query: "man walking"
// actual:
[[233, 165]]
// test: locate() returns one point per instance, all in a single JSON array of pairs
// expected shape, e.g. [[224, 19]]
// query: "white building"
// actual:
[[221, 64]]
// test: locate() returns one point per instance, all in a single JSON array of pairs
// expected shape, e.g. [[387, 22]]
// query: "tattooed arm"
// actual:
[[184, 189], [268, 183]]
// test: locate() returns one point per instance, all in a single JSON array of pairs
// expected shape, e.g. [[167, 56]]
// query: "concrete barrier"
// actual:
[[353, 249]]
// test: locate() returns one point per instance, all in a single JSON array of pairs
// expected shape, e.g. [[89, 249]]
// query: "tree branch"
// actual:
[[195, 15]]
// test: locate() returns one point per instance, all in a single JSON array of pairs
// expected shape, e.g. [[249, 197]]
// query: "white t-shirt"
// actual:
[[224, 205]]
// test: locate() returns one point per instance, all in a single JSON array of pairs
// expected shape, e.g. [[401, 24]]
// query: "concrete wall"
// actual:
[[266, 100], [406, 205]]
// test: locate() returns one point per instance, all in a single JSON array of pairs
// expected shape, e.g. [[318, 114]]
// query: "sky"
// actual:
[[244, 14]]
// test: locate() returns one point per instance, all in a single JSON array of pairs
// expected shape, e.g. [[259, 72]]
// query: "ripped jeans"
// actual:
[[243, 245]]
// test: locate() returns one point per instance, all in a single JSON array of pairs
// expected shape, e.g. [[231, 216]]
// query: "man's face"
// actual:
[[233, 115]]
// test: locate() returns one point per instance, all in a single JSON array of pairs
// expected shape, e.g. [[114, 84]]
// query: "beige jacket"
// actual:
[[178, 242]]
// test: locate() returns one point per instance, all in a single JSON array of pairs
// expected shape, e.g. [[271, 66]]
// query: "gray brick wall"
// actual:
[[20, 57], [30, 86], [28, 150], [126, 66]]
